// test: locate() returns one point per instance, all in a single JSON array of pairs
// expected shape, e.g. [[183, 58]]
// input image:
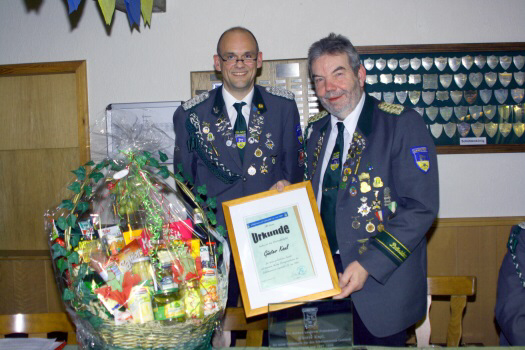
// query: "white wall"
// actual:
[[155, 63]]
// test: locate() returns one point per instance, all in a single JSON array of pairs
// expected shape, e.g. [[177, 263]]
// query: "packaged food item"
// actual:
[[103, 265], [139, 304], [142, 267], [85, 248], [86, 227], [208, 286], [166, 278], [168, 306], [131, 235], [128, 254], [192, 300], [212, 246], [112, 238], [195, 248]]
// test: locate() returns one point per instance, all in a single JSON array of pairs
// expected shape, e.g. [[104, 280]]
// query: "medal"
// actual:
[[258, 152], [355, 224], [205, 129], [251, 170], [370, 227], [210, 137], [229, 143], [269, 144], [363, 247], [364, 209], [379, 216], [353, 191]]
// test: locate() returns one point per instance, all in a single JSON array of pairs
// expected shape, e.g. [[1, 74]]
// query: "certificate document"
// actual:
[[279, 247]]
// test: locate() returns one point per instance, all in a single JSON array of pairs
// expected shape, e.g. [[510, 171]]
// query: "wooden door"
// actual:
[[44, 134]]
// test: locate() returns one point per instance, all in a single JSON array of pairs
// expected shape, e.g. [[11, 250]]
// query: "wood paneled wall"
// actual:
[[469, 247], [464, 246]]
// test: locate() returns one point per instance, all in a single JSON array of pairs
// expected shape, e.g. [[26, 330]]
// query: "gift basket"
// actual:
[[138, 262]]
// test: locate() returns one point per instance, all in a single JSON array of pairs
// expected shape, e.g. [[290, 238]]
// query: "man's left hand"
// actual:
[[279, 185], [352, 280]]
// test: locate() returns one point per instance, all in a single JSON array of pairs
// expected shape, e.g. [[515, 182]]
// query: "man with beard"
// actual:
[[374, 169]]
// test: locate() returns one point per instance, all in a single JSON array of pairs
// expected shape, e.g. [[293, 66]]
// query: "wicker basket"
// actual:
[[105, 333]]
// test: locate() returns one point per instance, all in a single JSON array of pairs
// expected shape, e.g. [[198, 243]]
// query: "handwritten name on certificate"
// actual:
[[279, 248]]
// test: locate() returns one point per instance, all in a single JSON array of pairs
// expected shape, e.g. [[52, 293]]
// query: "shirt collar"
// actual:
[[229, 100]]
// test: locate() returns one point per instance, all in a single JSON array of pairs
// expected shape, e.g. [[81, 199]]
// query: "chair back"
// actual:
[[38, 325], [235, 320], [458, 288]]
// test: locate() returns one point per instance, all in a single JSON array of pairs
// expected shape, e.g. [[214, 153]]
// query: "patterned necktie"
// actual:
[[330, 187], [239, 129]]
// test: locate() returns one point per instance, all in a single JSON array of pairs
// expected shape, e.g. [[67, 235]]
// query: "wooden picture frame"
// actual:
[[280, 248]]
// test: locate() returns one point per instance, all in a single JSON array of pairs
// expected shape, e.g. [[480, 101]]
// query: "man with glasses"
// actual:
[[374, 169], [241, 138]]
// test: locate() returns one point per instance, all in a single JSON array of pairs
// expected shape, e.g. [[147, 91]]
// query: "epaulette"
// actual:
[[391, 108], [277, 91], [195, 101], [317, 117]]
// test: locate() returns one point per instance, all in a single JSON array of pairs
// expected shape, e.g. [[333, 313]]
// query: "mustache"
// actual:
[[332, 94]]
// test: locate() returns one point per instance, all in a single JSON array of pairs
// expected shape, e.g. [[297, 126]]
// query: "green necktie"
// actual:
[[239, 129], [330, 187]]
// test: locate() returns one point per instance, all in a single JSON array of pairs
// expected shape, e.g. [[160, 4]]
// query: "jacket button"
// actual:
[[244, 178]]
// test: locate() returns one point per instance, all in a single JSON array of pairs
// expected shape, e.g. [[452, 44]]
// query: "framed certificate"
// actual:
[[280, 248]]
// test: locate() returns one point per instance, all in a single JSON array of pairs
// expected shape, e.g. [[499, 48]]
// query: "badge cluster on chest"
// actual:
[[360, 181], [262, 153]]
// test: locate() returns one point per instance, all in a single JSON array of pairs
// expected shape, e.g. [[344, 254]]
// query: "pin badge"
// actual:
[[251, 170]]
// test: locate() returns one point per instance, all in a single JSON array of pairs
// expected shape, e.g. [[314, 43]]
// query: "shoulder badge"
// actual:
[[277, 91], [421, 158], [195, 101], [391, 108], [317, 117]]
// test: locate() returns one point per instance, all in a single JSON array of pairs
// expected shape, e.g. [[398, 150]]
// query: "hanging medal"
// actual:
[[370, 227], [355, 224], [379, 216], [376, 203], [363, 247], [264, 167]]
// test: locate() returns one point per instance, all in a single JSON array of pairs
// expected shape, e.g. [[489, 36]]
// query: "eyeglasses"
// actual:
[[247, 58]]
